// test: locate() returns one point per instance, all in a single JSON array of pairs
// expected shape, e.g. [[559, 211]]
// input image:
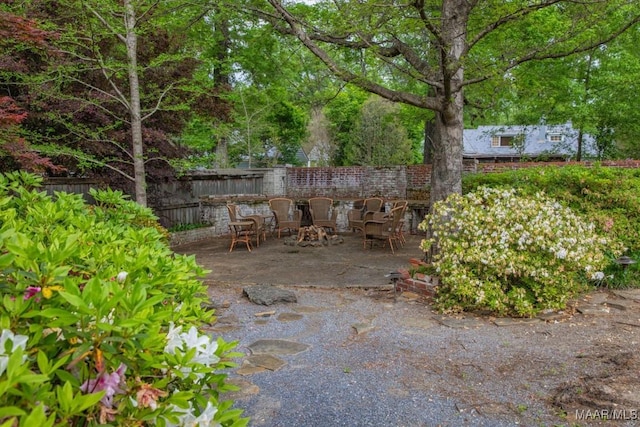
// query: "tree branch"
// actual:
[[296, 28]]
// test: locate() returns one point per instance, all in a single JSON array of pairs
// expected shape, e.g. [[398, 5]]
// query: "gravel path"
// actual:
[[375, 362]]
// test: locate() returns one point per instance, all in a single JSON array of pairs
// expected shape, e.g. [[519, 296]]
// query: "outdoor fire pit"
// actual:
[[313, 236]]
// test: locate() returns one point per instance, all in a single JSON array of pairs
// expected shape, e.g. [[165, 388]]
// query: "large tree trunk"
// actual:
[[446, 172], [134, 106]]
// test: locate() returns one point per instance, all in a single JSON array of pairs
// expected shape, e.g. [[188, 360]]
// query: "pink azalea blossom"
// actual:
[[31, 291], [111, 384]]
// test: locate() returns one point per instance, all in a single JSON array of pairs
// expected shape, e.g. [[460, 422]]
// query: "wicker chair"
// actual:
[[244, 228], [357, 215], [382, 227], [286, 215], [400, 229], [322, 213]]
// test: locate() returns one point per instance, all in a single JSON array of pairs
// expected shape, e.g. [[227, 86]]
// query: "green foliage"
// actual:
[[607, 196], [512, 253], [378, 137], [99, 317], [610, 197]]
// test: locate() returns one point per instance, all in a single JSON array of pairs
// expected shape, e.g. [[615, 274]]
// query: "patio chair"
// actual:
[[382, 227], [286, 215], [322, 213], [244, 227], [400, 229], [357, 215]]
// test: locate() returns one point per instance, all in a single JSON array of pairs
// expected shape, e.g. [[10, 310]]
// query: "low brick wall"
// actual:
[[418, 283], [190, 236]]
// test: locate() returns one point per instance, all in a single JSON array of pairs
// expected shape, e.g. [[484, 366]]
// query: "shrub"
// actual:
[[512, 254], [99, 319]]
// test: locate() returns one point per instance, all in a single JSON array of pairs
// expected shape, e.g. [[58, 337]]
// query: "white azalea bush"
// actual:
[[510, 254], [100, 322]]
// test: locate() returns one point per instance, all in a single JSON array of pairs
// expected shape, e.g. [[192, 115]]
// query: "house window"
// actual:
[[502, 140], [555, 137]]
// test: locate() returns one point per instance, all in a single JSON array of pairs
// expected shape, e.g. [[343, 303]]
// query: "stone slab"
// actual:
[[276, 346], [513, 321], [268, 294], [267, 361], [288, 317], [460, 323]]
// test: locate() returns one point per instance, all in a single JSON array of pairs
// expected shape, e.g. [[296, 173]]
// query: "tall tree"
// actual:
[[378, 137], [122, 87], [426, 53]]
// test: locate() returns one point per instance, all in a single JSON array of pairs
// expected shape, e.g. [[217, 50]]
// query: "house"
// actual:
[[514, 143]]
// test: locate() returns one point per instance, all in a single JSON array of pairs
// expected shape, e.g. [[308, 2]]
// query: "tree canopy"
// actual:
[[427, 54]]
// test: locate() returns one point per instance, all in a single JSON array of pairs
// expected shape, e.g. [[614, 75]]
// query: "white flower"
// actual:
[[598, 275], [561, 254], [16, 341], [188, 419], [122, 276], [194, 339], [174, 340]]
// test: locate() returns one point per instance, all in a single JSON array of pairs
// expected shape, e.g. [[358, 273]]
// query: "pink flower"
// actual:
[[31, 291], [109, 383], [147, 396]]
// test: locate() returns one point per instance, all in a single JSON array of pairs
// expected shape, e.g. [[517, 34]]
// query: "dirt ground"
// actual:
[[583, 364]]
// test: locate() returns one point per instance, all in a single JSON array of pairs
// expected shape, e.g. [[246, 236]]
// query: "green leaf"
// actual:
[[11, 411], [75, 301]]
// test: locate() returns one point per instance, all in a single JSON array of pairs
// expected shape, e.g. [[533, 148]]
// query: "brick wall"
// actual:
[[347, 182]]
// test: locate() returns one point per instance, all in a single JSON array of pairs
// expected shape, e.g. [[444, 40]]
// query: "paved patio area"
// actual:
[[346, 264]]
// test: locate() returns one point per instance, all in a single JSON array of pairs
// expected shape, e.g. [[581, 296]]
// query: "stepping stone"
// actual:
[[268, 295], [309, 309], [249, 369], [417, 322], [266, 361], [554, 316], [247, 389], [463, 323], [632, 294], [274, 346], [511, 321], [287, 317], [621, 304], [593, 309], [361, 328]]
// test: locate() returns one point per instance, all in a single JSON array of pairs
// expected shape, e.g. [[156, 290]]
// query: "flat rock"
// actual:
[[246, 389], [288, 317], [511, 321], [593, 309], [632, 294], [274, 346], [268, 295], [249, 369], [460, 323], [267, 361], [361, 328], [620, 304]]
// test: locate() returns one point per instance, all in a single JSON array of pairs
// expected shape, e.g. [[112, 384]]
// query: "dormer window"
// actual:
[[502, 140], [555, 137]]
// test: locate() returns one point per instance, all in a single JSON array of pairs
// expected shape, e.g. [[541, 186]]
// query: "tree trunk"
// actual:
[[134, 105], [429, 136], [579, 149], [446, 172]]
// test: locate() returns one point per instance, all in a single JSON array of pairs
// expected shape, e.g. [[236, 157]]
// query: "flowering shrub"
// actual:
[[510, 254], [93, 309]]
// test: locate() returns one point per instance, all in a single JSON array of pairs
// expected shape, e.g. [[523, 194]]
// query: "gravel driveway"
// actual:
[[348, 354]]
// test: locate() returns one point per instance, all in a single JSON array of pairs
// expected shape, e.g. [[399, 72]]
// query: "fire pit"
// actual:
[[313, 236]]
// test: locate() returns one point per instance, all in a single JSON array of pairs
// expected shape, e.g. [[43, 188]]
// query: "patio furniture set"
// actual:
[[367, 217]]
